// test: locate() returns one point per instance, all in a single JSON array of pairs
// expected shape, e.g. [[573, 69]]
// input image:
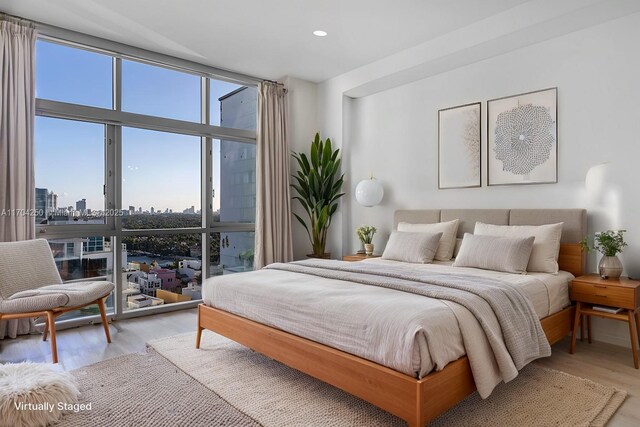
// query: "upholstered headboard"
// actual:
[[574, 229]]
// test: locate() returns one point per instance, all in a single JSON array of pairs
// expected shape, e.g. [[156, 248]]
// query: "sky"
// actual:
[[159, 169]]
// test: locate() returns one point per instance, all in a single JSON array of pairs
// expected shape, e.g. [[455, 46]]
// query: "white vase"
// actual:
[[368, 249]]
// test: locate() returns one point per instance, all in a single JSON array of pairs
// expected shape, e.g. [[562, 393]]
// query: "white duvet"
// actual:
[[409, 333]]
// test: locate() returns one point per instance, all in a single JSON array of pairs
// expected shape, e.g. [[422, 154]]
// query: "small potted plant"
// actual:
[[609, 243], [365, 234]]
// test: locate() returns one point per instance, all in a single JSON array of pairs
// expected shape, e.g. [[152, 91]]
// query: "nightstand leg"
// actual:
[[634, 337], [576, 324], [589, 328], [582, 328]]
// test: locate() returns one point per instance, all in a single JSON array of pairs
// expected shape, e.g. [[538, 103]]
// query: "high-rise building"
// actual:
[[237, 173], [81, 205], [152, 209], [41, 204], [52, 202], [132, 209]]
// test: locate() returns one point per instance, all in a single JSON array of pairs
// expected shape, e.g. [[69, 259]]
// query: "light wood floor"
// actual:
[[600, 362], [87, 345]]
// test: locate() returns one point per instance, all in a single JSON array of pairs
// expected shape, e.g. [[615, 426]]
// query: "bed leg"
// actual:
[[199, 331]]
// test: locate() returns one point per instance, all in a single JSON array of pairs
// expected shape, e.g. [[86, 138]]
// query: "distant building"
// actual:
[[149, 283], [42, 211], [140, 301], [191, 210], [81, 258], [81, 205], [52, 202], [167, 276], [172, 297], [193, 290], [152, 209], [93, 244], [237, 174], [190, 263]]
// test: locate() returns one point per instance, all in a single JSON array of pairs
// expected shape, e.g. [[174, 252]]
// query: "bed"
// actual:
[[308, 324]]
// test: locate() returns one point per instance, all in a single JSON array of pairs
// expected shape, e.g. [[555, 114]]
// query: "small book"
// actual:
[[607, 309]]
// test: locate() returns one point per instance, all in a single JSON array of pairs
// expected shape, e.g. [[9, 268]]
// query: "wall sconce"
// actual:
[[369, 192]]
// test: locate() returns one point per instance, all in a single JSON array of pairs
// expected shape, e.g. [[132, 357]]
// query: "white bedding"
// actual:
[[379, 324]]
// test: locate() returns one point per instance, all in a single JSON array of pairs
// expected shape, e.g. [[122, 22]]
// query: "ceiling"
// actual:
[[267, 39]]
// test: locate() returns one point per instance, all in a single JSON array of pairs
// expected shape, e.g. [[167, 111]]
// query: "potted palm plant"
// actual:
[[318, 183], [609, 243]]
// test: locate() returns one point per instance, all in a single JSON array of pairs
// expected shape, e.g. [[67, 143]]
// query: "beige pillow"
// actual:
[[448, 240], [546, 247], [411, 247], [508, 254]]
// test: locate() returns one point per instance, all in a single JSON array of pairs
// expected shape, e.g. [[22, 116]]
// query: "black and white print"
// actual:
[[522, 139]]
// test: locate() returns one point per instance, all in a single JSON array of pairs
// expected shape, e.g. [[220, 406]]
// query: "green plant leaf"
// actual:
[[318, 183]]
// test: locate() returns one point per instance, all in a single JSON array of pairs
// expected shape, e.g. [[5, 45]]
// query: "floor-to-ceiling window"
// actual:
[[145, 169]]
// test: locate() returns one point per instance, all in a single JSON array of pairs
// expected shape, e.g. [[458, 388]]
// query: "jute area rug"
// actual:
[[236, 386]]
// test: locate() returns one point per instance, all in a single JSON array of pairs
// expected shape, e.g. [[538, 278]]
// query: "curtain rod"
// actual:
[[16, 19]]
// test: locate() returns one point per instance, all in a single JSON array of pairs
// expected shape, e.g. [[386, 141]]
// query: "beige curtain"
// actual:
[[273, 202], [17, 114]]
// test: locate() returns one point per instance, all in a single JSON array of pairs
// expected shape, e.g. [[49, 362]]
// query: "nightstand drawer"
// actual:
[[614, 296]]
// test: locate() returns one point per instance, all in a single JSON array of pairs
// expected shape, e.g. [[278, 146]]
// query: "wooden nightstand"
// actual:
[[623, 293], [358, 257]]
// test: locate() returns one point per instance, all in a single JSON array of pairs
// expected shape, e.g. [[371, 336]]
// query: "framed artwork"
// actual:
[[459, 146], [522, 138]]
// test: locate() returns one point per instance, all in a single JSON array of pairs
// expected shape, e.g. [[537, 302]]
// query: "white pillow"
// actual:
[[546, 247], [447, 241], [508, 254], [411, 247]]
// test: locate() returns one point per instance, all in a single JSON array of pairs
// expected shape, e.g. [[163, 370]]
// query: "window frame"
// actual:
[[113, 120]]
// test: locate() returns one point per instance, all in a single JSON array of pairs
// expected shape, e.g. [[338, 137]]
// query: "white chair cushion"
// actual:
[[54, 296]]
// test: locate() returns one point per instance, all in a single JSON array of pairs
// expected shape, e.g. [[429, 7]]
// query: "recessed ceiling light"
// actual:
[[319, 33]]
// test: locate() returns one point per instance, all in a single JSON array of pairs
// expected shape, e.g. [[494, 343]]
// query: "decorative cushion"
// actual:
[[25, 389], [53, 296], [546, 246], [508, 254], [448, 240], [411, 247]]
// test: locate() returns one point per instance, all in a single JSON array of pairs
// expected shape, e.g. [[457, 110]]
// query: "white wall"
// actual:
[[302, 126], [394, 135]]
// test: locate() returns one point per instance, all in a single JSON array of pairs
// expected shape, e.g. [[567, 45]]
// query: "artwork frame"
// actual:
[[536, 114], [460, 136]]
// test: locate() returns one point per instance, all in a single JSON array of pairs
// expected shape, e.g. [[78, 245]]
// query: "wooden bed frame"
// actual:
[[417, 401]]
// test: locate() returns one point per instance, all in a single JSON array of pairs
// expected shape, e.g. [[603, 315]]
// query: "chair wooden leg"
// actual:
[[51, 320], [103, 315], [46, 330]]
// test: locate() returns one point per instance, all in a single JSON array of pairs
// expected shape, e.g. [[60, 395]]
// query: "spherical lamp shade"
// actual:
[[369, 192]]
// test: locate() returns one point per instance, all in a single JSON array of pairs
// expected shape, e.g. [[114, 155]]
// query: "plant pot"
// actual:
[[368, 249], [326, 255], [610, 267]]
